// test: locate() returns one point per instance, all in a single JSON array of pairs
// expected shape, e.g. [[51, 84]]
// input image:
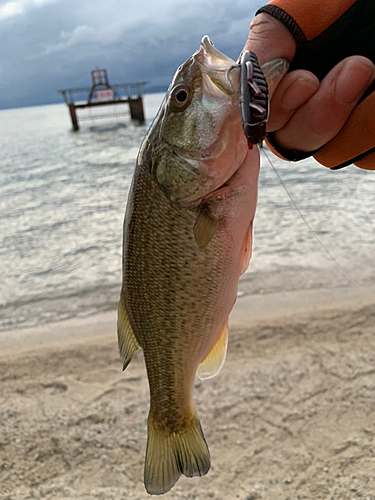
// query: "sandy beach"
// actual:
[[290, 416]]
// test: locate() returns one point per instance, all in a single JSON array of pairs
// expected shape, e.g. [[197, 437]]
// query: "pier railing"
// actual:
[[102, 95]]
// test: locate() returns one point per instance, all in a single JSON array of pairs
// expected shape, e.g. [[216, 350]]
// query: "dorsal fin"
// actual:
[[213, 363], [127, 342]]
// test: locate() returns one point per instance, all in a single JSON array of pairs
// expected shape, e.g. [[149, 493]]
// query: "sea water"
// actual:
[[62, 201]]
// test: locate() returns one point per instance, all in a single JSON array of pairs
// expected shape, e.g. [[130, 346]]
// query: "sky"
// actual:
[[48, 45]]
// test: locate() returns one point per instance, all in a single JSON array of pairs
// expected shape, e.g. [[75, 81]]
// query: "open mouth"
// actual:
[[217, 66]]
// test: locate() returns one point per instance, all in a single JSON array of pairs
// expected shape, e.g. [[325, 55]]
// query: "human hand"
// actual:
[[304, 113]]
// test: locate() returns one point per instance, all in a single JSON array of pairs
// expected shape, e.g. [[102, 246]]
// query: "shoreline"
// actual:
[[289, 416], [249, 310]]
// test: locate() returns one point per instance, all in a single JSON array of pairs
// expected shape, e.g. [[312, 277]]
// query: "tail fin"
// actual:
[[170, 454]]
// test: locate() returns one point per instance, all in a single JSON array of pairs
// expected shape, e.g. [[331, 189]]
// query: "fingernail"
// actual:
[[352, 81], [297, 93]]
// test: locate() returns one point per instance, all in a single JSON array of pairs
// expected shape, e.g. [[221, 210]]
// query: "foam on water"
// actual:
[[63, 196]]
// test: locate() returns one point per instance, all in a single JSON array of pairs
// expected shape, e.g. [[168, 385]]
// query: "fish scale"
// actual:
[[166, 309], [162, 243]]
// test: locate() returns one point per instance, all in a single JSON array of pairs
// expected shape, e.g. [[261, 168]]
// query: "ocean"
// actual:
[[62, 203]]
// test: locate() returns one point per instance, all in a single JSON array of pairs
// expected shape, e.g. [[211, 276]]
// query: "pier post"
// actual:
[[73, 116], [136, 109]]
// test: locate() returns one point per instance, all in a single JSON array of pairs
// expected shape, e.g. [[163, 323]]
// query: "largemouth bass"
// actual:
[[187, 240]]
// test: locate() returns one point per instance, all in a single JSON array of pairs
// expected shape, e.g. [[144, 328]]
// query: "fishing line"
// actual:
[[308, 225]]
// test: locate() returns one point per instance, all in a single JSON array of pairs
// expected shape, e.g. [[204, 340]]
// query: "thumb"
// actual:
[[269, 39]]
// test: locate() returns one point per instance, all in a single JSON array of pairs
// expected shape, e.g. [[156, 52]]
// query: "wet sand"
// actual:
[[290, 416]]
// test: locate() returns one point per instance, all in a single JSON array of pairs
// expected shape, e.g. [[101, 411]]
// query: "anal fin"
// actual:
[[127, 342], [247, 249], [213, 363]]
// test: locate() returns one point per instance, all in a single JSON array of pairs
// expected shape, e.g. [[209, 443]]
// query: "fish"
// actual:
[[188, 232]]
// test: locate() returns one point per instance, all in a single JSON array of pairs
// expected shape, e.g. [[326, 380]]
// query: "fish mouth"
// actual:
[[219, 68]]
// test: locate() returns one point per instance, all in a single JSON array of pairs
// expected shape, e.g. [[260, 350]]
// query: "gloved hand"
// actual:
[[307, 114]]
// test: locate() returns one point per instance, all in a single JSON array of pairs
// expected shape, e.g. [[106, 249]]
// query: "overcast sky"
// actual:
[[48, 45]]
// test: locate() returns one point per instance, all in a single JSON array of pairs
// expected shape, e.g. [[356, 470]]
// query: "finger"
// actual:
[[322, 117], [294, 90], [270, 39]]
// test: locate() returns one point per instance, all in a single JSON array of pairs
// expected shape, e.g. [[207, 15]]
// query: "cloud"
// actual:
[[54, 44], [10, 9], [80, 35]]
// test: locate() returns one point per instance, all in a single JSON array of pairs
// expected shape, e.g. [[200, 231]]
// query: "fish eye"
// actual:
[[180, 97]]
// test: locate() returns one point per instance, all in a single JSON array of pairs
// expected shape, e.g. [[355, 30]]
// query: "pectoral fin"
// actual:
[[127, 342], [213, 363], [205, 227]]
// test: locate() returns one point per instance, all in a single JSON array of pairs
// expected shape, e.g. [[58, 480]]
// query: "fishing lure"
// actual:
[[254, 106]]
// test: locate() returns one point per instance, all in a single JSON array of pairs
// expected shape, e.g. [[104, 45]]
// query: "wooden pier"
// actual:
[[101, 95]]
